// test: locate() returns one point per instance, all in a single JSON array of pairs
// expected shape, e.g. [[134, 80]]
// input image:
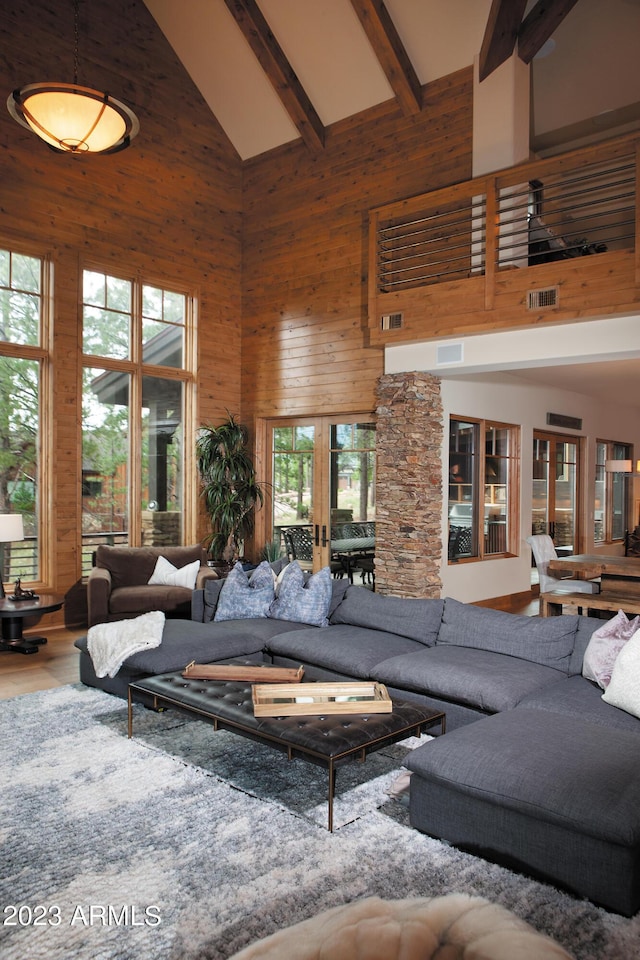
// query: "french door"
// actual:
[[556, 490], [322, 483]]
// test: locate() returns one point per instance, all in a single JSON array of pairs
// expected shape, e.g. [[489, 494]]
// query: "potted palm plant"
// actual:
[[229, 486]]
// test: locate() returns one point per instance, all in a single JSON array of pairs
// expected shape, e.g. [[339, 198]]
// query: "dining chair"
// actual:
[[543, 550]]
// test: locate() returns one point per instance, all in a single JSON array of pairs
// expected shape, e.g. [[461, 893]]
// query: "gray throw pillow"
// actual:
[[211, 593]]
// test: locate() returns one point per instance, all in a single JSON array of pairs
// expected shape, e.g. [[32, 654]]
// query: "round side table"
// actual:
[[14, 612]]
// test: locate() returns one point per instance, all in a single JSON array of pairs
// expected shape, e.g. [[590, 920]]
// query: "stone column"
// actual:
[[409, 485]]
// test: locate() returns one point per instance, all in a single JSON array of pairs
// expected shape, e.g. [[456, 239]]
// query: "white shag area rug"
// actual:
[[187, 844]]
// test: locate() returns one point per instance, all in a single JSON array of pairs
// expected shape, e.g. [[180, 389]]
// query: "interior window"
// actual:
[[482, 506], [611, 506], [134, 381]]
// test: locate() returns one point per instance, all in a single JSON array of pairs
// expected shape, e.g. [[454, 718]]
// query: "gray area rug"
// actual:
[[184, 843]]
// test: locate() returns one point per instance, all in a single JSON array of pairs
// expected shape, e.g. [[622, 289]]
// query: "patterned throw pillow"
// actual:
[[605, 645], [303, 600], [246, 598]]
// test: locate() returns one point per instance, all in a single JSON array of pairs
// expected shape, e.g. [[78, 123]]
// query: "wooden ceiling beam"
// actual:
[[279, 71], [390, 51], [501, 34], [540, 23]]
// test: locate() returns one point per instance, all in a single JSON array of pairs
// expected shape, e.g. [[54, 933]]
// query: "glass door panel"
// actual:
[[292, 480], [554, 494], [162, 461], [352, 499], [323, 492]]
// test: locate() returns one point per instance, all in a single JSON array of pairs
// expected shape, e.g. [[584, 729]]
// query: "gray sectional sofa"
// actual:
[[535, 771]]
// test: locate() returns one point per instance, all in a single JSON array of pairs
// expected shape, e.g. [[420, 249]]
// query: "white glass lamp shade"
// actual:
[[74, 119], [11, 527], [618, 466]]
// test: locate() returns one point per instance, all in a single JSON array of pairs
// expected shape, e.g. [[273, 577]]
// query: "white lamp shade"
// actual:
[[11, 527], [618, 466]]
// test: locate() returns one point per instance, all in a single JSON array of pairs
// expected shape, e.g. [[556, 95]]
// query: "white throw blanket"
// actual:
[[109, 644]]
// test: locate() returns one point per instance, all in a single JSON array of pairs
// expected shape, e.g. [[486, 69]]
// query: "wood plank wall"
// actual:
[[168, 208], [305, 345]]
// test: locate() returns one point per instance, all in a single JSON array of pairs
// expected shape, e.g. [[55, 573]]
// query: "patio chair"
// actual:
[[299, 546]]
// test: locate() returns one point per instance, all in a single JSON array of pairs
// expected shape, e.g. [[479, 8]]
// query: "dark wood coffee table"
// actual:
[[14, 612], [325, 740]]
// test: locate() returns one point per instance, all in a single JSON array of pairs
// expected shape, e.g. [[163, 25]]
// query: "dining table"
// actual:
[[619, 575], [351, 551]]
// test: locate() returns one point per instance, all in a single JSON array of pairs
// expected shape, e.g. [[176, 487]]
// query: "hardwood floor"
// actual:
[[56, 663]]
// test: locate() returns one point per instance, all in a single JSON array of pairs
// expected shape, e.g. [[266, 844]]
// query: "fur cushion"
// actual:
[[454, 926]]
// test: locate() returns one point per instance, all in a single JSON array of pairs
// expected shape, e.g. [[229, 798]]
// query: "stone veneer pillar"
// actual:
[[409, 485]]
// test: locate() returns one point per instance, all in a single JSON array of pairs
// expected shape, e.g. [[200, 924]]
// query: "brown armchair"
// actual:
[[118, 586]]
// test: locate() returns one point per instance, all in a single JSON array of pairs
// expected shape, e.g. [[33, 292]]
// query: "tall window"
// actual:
[[23, 364], [483, 483], [610, 503], [135, 377]]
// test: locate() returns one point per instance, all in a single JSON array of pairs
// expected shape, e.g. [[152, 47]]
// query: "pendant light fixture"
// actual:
[[74, 119]]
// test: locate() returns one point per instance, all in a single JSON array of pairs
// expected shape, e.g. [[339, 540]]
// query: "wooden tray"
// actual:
[[230, 671], [318, 699]]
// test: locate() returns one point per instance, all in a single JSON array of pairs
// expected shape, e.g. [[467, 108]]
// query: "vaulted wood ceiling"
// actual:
[[276, 70]]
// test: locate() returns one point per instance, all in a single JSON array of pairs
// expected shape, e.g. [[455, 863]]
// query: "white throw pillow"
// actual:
[[624, 688], [166, 575], [604, 646]]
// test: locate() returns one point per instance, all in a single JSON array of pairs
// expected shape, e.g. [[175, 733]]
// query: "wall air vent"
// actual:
[[447, 353], [546, 297], [391, 321]]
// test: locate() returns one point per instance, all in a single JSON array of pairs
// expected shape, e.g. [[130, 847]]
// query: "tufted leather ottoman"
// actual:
[[326, 740]]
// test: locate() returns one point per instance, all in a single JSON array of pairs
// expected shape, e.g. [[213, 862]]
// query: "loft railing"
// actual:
[[438, 244], [580, 204], [574, 213]]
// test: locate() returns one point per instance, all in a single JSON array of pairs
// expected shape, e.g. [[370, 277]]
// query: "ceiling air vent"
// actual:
[[391, 321], [539, 299]]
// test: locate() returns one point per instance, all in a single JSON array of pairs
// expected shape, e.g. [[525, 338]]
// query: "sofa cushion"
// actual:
[[415, 619], [302, 599], [129, 601], [246, 597], [348, 650], [582, 699], [544, 640], [486, 681], [604, 646]]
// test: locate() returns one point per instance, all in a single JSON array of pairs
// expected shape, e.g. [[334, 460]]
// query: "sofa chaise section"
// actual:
[[182, 642], [550, 795]]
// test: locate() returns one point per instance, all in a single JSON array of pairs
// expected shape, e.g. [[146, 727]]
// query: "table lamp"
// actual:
[[11, 529]]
